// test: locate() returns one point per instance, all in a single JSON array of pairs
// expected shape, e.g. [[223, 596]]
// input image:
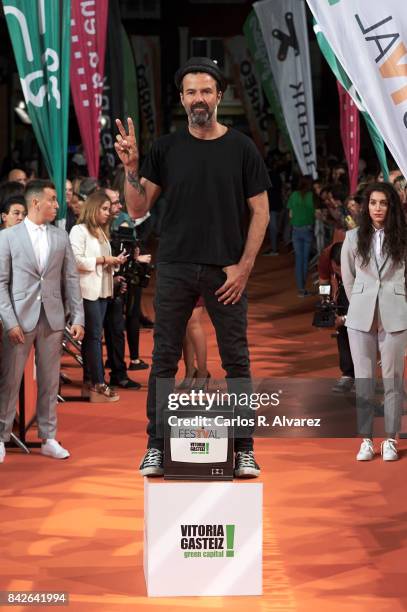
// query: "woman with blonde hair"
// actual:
[[91, 247]]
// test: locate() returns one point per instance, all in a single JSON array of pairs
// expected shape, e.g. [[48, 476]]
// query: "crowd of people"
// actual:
[[199, 267], [93, 212]]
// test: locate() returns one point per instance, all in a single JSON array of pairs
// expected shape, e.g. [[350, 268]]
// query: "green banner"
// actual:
[[255, 43], [345, 81], [40, 35], [131, 107]]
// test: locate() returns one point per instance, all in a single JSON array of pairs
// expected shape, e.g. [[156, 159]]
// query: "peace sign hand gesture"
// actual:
[[126, 146]]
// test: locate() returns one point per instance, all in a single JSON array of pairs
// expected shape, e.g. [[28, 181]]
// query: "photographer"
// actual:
[[137, 272], [329, 270], [114, 319]]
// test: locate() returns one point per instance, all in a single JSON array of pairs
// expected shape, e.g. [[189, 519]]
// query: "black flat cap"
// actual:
[[201, 64]]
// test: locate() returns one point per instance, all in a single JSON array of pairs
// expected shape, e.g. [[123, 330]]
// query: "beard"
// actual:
[[200, 114]]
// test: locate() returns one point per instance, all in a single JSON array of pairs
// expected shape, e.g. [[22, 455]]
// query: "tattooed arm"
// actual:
[[140, 193]]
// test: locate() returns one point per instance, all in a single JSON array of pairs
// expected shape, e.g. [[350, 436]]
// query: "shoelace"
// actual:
[[391, 443], [153, 456], [366, 445], [246, 459]]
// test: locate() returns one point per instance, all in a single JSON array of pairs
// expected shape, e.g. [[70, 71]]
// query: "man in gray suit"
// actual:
[[37, 272]]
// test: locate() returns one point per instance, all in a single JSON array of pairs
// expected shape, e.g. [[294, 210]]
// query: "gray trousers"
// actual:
[[392, 347], [47, 344]]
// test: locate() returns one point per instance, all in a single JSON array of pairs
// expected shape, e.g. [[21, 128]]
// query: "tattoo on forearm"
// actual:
[[134, 181]]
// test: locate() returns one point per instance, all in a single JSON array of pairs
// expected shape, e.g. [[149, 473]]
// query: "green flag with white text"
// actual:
[[40, 35]]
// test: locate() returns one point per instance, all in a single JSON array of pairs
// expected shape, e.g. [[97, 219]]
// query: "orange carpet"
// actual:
[[334, 530]]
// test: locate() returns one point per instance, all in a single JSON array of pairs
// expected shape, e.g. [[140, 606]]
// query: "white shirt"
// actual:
[[39, 239], [378, 239]]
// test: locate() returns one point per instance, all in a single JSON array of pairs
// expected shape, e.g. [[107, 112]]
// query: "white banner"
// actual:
[[367, 38], [284, 28]]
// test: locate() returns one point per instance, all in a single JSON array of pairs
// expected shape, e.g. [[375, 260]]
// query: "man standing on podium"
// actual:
[[215, 185], [37, 272]]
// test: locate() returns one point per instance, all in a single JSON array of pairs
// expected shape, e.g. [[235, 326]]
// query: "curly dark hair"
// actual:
[[395, 226]]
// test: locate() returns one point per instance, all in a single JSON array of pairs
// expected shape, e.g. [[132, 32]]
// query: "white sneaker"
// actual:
[[52, 448], [2, 452], [389, 450], [366, 451]]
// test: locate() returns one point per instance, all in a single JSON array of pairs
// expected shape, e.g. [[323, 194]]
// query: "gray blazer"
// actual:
[[371, 285], [23, 289]]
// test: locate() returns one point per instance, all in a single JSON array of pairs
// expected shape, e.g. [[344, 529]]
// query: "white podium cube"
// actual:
[[203, 538]]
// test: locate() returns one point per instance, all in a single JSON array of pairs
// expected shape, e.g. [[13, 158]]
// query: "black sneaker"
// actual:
[[146, 322], [152, 463], [245, 465], [138, 364], [343, 385], [126, 383]]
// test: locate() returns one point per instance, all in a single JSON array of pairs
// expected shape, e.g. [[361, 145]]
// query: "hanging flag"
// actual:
[[345, 81], [284, 28], [250, 91], [350, 133], [39, 33], [369, 39], [88, 35], [255, 43], [113, 87], [148, 70], [130, 101]]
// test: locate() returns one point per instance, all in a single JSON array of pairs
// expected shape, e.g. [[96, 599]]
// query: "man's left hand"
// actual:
[[77, 332], [236, 280]]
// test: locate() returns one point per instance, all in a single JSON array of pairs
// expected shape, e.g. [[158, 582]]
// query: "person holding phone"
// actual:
[[96, 265], [373, 272]]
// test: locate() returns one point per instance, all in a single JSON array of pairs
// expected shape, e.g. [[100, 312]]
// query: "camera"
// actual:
[[137, 274], [327, 309]]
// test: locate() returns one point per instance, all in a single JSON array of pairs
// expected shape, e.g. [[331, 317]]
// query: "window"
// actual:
[[214, 48], [140, 9], [209, 47]]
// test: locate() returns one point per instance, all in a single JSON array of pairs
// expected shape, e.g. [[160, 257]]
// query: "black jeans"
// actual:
[[133, 309], [177, 289], [115, 341], [95, 311]]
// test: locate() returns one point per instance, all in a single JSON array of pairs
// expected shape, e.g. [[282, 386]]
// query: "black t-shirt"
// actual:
[[205, 184]]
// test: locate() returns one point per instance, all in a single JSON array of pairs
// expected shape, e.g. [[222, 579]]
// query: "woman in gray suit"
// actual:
[[373, 271]]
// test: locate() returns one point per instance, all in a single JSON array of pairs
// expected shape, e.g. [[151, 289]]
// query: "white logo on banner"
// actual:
[[37, 99], [284, 28], [369, 39]]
